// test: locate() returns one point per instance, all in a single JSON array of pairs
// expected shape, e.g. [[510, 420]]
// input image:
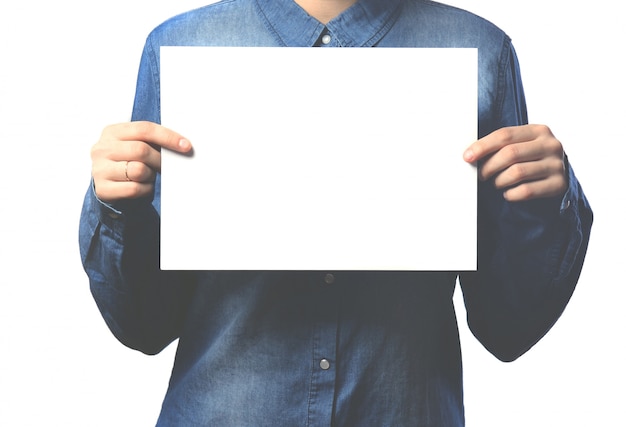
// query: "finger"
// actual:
[[497, 140], [550, 187], [121, 151], [138, 172], [149, 132], [111, 191], [137, 151], [528, 171], [105, 171], [508, 156]]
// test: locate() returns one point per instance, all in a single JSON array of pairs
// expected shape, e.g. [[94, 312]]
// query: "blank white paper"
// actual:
[[319, 159]]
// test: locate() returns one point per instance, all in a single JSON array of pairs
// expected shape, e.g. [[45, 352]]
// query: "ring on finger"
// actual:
[[126, 171]]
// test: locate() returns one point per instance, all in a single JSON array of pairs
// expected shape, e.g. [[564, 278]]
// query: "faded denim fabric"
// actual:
[[334, 348]]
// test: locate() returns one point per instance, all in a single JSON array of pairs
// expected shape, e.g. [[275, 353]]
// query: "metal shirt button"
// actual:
[[329, 279], [324, 364], [326, 38]]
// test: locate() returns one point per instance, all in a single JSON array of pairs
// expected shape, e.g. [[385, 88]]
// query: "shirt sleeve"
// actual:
[[530, 254], [119, 245]]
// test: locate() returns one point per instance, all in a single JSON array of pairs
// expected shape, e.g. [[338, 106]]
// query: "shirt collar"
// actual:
[[361, 25]]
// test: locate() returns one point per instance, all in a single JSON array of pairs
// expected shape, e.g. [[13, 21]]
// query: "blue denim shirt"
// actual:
[[337, 348]]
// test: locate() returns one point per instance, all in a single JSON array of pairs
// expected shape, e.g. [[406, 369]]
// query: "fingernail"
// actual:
[[184, 144], [468, 155]]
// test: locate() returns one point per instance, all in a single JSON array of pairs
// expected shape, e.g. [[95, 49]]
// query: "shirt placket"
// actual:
[[324, 350]]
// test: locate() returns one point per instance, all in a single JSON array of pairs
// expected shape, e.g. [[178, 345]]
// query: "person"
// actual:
[[341, 348]]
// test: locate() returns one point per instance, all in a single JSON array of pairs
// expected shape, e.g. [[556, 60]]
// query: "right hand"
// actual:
[[127, 157]]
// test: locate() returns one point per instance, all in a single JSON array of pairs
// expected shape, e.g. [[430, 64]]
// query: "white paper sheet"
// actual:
[[319, 159]]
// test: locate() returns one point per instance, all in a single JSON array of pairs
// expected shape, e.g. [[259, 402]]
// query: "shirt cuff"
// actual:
[[571, 193], [115, 216]]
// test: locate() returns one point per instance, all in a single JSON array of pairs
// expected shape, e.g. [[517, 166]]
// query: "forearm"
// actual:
[[530, 258], [142, 305]]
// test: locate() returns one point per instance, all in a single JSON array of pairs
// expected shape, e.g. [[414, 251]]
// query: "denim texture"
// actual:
[[335, 348]]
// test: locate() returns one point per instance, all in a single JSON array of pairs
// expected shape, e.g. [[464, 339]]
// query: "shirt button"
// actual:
[[113, 215], [326, 38], [324, 364], [329, 279]]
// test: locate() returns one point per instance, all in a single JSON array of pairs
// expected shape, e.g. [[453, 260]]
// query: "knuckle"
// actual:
[[143, 129], [560, 185], [512, 153], [556, 165], [139, 150], [100, 149], [96, 170], [143, 172], [102, 190], [137, 190], [105, 146], [480, 145], [555, 147], [518, 172], [543, 130], [108, 130], [550, 142], [506, 135], [134, 190], [95, 151], [525, 192]]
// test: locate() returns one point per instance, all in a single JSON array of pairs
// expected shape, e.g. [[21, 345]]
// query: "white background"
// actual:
[[68, 68]]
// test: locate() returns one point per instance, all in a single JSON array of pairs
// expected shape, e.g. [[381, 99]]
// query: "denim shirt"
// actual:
[[342, 348]]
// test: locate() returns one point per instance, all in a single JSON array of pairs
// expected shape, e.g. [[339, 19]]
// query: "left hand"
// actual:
[[526, 162]]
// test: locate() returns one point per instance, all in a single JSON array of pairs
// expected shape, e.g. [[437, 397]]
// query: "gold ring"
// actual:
[[126, 171]]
